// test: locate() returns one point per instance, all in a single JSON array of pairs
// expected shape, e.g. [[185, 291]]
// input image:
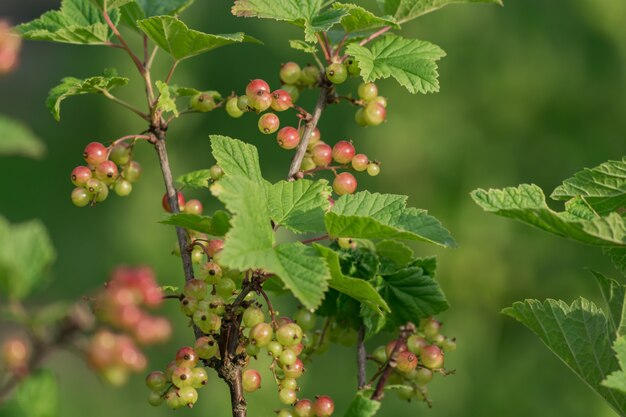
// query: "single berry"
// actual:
[[290, 73], [346, 243], [314, 138], [269, 123], [343, 152], [289, 334], [252, 316], [379, 354], [181, 376], [405, 393], [323, 406], [373, 169], [15, 353], [423, 376], [344, 183], [156, 381], [406, 361], [225, 287], [80, 175], [199, 377], [95, 153], [123, 187], [281, 100], [449, 344], [107, 171], [215, 246], [287, 357], [260, 102], [165, 202], [432, 357], [430, 327], [304, 408], [94, 187], [252, 350], [216, 172], [188, 305], [197, 255], [251, 380], [172, 399], [196, 289], [415, 343], [374, 114], [381, 100], [132, 171], [307, 164], [309, 76], [243, 103], [261, 334], [289, 383], [102, 194], [80, 197], [336, 73], [305, 319], [287, 396], [274, 348], [352, 65], [294, 371], [359, 117], [211, 272], [360, 162], [193, 206], [288, 137], [202, 102], [292, 90], [368, 91], [322, 154], [285, 413], [255, 86], [188, 396], [206, 347], [232, 108], [120, 153], [155, 398], [207, 322]]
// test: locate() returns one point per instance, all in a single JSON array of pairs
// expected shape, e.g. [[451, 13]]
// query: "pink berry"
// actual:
[[166, 203], [193, 207], [80, 175], [106, 171], [187, 357], [281, 100], [323, 406], [344, 183], [95, 153], [215, 246], [261, 102], [269, 123], [392, 345], [322, 154], [304, 408], [288, 137], [406, 361], [432, 357], [257, 86], [343, 152], [251, 380], [374, 114]]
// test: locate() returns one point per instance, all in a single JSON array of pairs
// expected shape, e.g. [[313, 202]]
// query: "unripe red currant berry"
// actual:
[[449, 344], [166, 203], [374, 114], [305, 319], [261, 334], [197, 255], [186, 357], [422, 376], [287, 396], [132, 171], [225, 287], [294, 371], [290, 73], [406, 361], [360, 162], [199, 377], [288, 383], [307, 164], [95, 153], [359, 117], [344, 183], [415, 343], [193, 206], [281, 100], [269, 123], [261, 102], [322, 154], [373, 169], [80, 197], [304, 408], [336, 73], [207, 322], [103, 193], [216, 172], [243, 103], [206, 347], [155, 399], [288, 137], [94, 186], [232, 108], [368, 91], [343, 152], [430, 327], [188, 396], [323, 406], [120, 153], [156, 381], [352, 65], [181, 376], [392, 345], [309, 76], [107, 171], [80, 175], [432, 357], [251, 380], [215, 246], [196, 289], [289, 334], [285, 413], [123, 187], [292, 90], [381, 100], [255, 86], [252, 316], [202, 102]]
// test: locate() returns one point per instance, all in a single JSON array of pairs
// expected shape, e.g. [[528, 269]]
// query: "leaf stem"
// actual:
[[405, 332], [370, 38], [171, 72], [129, 106], [323, 46], [315, 239]]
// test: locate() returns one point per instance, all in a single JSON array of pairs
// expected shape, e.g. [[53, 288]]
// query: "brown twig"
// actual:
[[405, 332], [315, 239], [361, 358]]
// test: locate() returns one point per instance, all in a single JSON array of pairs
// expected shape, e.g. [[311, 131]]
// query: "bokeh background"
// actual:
[[531, 92]]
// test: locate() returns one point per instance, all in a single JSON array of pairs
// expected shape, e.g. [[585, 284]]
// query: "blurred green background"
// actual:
[[531, 92]]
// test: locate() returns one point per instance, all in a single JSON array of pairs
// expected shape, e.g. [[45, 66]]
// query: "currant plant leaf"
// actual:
[[175, 38], [303, 46], [602, 187], [356, 288], [614, 295], [579, 335], [26, 252], [195, 179], [362, 406], [527, 203], [71, 86], [19, 139], [393, 253], [405, 10], [41, 385], [141, 9], [411, 62], [358, 19], [617, 379], [236, 157], [384, 216], [618, 257], [299, 205], [218, 225], [165, 102]]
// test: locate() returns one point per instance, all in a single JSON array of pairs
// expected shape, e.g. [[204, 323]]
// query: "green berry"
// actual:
[[293, 91], [156, 381], [188, 396], [132, 171], [373, 169], [225, 287], [287, 396], [309, 76], [232, 108], [289, 334], [305, 319], [352, 65], [199, 377], [252, 316], [80, 197], [290, 73], [123, 187], [336, 73], [155, 398], [368, 91]]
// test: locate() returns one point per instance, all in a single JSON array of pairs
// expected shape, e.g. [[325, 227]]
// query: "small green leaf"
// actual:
[[405, 10], [202, 224], [141, 9], [384, 216], [527, 203], [169, 288], [195, 179], [602, 187], [36, 396], [18, 139], [614, 295], [77, 22], [362, 406], [71, 86], [175, 38], [299, 205], [303, 46], [26, 251], [358, 19], [236, 157], [413, 63], [356, 288], [395, 251], [165, 101], [617, 379]]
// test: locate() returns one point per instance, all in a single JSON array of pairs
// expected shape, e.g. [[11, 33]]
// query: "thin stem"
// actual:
[[323, 46], [328, 46], [405, 332], [326, 168], [119, 36], [370, 38], [339, 46], [134, 137], [113, 45], [314, 239], [151, 59], [361, 358], [270, 308], [171, 73], [145, 51], [129, 106]]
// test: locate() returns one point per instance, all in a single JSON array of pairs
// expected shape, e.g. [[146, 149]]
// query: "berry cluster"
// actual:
[[416, 361], [178, 385], [108, 168], [120, 306], [323, 406], [193, 206]]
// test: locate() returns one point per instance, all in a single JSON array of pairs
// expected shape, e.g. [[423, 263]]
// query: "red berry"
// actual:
[[391, 346], [374, 114], [360, 162], [193, 207], [406, 361], [186, 357], [322, 154], [166, 203], [80, 175], [281, 100], [214, 246], [323, 406], [304, 408], [288, 137], [294, 371], [260, 102], [432, 357], [106, 171], [95, 153], [255, 87], [251, 380], [343, 152], [290, 73], [269, 123], [344, 183]]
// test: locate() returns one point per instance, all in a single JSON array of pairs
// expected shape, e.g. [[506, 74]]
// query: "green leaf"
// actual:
[[195, 179], [26, 251], [236, 157], [617, 380], [413, 63], [76, 22], [362, 406], [384, 216], [356, 288], [405, 10], [36, 396], [618, 257], [162, 7], [602, 187], [303, 46], [18, 139], [578, 209], [165, 102], [614, 295], [299, 205], [175, 38], [578, 335], [395, 251], [412, 295], [71, 86], [359, 19], [202, 224], [527, 204]]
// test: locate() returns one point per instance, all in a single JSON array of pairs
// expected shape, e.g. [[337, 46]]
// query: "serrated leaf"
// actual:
[[299, 205], [202, 224], [412, 294], [358, 19], [362, 406], [71, 86], [303, 46], [395, 251], [578, 334], [405, 10], [36, 396], [26, 251], [411, 62], [356, 288], [76, 22], [617, 379], [18, 139], [236, 157], [175, 38], [578, 209], [384, 216], [142, 9], [165, 102], [614, 295], [602, 187], [527, 203], [195, 179]]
